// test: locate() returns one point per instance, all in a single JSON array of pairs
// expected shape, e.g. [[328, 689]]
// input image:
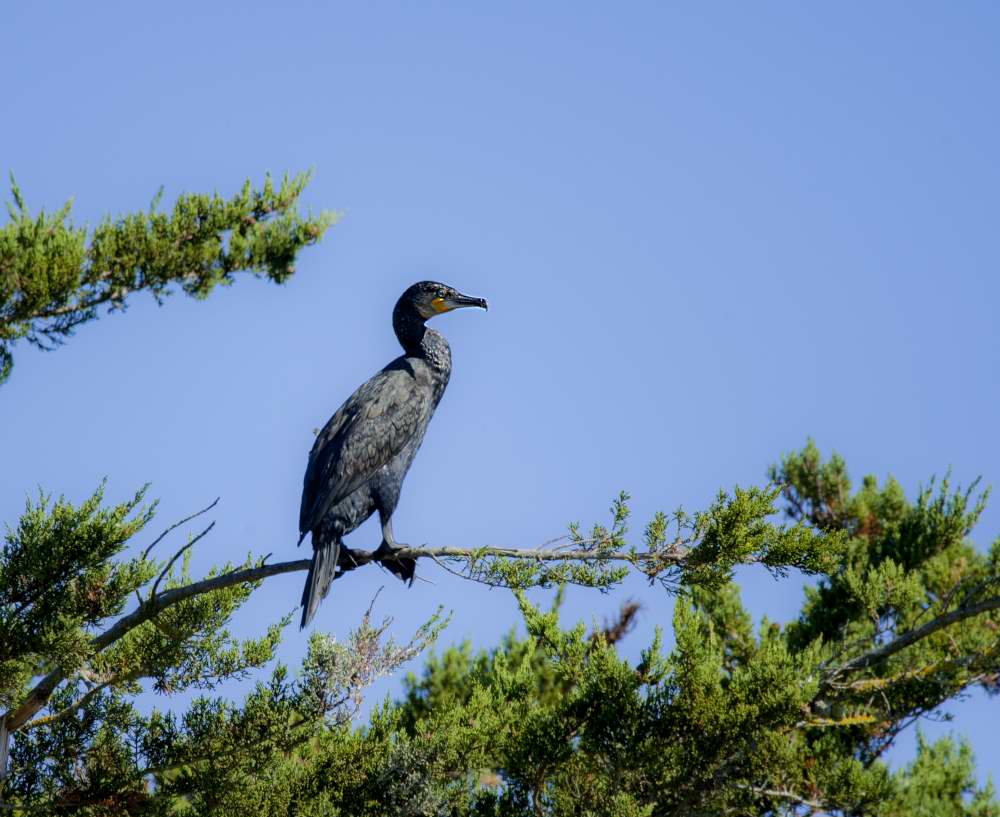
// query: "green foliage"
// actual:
[[187, 644], [54, 276], [598, 570], [556, 723], [733, 719], [58, 578], [101, 758], [59, 585], [540, 701], [905, 565], [941, 782], [703, 550], [736, 530]]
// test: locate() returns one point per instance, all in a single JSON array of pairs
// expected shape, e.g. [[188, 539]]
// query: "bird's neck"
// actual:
[[419, 341], [435, 350], [410, 330]]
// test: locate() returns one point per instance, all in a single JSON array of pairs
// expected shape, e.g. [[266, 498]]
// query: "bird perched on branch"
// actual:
[[359, 459]]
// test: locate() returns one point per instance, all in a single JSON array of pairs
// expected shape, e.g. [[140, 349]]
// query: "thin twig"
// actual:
[[68, 710], [791, 796], [171, 529], [175, 557], [176, 525]]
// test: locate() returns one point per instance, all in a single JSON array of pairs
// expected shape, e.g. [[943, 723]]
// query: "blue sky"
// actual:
[[706, 233]]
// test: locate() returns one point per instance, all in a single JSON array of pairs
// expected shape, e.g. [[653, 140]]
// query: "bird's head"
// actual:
[[429, 298]]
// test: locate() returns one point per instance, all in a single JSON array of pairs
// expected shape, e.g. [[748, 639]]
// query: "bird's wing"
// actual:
[[371, 428]]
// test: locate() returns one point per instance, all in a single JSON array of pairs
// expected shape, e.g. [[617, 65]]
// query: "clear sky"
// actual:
[[706, 232]]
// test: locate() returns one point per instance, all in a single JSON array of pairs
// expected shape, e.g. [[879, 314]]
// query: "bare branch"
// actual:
[[176, 525], [913, 636], [791, 796], [363, 557], [68, 710], [176, 556]]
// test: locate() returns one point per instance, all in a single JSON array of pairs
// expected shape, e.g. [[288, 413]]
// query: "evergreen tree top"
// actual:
[[55, 277], [734, 720]]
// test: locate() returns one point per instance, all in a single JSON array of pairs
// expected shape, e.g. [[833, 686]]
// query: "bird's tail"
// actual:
[[321, 573]]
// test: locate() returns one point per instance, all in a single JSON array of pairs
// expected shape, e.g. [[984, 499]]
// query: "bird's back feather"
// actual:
[[367, 432]]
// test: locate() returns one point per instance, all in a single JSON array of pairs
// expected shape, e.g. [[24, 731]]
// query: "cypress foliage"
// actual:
[[734, 719], [54, 276]]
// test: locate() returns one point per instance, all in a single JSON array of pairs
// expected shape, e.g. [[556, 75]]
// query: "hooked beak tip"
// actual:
[[468, 300]]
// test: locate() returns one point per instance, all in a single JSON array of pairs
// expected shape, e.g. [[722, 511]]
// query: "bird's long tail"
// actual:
[[321, 573]]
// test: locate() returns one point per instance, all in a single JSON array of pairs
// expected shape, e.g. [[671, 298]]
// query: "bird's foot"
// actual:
[[345, 562], [402, 567]]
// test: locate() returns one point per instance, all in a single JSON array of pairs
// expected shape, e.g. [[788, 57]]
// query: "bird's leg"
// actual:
[[388, 540], [385, 555]]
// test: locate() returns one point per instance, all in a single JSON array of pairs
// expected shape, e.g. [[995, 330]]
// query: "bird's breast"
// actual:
[[430, 377]]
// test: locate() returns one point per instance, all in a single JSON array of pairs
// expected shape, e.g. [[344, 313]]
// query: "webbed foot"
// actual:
[[345, 562], [403, 568]]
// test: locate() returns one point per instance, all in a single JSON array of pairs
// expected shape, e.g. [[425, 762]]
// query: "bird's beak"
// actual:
[[457, 302]]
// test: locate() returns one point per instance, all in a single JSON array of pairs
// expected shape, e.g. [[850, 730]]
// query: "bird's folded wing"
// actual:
[[368, 431]]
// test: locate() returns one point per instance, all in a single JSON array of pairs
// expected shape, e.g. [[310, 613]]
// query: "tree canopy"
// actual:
[[54, 276], [772, 719]]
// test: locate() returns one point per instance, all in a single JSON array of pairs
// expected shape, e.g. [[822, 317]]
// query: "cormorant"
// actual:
[[359, 459]]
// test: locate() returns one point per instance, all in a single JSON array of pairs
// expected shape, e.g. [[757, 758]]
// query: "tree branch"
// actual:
[[68, 710], [176, 525], [913, 636], [176, 556], [43, 690], [790, 796]]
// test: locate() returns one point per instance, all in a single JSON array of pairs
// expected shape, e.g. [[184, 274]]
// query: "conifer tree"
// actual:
[[734, 719], [55, 277]]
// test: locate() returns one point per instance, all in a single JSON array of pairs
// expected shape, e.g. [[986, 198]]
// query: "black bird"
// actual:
[[359, 459]]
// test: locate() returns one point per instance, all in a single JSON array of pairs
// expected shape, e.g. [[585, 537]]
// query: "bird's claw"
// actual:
[[402, 568], [345, 562]]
